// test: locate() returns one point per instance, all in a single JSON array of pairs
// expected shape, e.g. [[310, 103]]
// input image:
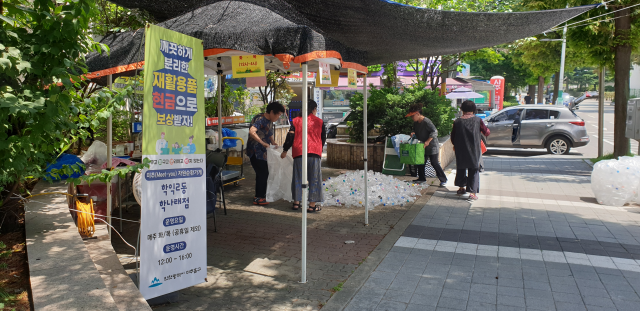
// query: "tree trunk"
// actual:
[[622, 65], [540, 98], [556, 87], [532, 93]]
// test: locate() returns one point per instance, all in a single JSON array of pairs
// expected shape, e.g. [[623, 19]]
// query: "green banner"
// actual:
[[173, 115]]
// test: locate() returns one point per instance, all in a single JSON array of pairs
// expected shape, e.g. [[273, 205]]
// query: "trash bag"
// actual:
[[616, 182], [229, 143], [65, 159], [280, 175], [399, 139], [95, 157]]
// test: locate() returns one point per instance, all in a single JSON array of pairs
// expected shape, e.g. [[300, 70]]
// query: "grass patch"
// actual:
[[607, 157], [338, 287]]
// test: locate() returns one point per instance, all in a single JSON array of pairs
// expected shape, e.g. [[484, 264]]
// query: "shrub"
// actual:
[[387, 108]]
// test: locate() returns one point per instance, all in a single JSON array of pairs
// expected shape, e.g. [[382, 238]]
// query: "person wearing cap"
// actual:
[[425, 131]]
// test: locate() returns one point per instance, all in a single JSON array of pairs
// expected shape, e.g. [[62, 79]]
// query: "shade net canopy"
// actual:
[[365, 32]]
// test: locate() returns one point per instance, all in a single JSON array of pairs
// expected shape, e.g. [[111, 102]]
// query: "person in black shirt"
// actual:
[[527, 99]]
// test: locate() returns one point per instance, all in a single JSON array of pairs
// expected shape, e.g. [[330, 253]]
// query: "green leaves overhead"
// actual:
[[44, 104]]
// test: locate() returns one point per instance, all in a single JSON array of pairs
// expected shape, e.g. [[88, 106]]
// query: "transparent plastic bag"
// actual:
[[280, 175], [95, 157], [616, 182]]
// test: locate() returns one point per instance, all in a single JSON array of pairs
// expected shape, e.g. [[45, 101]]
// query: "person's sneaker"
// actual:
[[418, 181], [260, 201], [472, 197], [442, 184]]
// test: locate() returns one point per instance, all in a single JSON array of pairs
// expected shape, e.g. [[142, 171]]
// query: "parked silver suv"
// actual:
[[537, 126]]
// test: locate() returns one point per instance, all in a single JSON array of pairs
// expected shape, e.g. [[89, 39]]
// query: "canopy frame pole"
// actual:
[[365, 160], [220, 109], [109, 158], [601, 112], [305, 101]]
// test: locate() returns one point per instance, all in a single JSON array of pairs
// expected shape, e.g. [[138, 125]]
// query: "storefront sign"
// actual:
[[325, 75], [136, 127], [498, 83], [352, 81], [247, 66], [173, 241], [225, 120]]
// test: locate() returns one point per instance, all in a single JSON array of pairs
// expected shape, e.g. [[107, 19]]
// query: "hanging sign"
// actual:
[[325, 74], [352, 81], [335, 78], [173, 241], [247, 66], [498, 83]]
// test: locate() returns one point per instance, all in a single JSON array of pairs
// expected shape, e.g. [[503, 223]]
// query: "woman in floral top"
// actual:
[[260, 136]]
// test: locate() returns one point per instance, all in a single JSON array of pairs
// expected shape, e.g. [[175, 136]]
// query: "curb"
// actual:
[[340, 299], [588, 161]]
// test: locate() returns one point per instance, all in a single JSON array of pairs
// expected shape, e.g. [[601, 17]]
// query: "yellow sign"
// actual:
[[335, 76], [247, 66], [353, 79]]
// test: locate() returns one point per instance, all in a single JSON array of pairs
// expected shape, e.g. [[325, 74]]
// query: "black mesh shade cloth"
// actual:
[[364, 32]]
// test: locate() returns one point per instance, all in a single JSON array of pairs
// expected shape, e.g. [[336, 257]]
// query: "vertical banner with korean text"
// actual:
[[498, 83], [173, 239]]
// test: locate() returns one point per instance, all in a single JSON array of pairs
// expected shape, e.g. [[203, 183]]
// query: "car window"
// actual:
[[509, 115], [536, 114], [554, 114]]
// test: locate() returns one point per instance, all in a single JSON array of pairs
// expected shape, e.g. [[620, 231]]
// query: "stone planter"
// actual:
[[344, 155]]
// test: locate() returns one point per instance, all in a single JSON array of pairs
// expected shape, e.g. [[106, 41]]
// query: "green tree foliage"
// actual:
[[44, 106], [229, 98], [111, 18], [583, 77], [515, 75], [609, 40], [390, 105]]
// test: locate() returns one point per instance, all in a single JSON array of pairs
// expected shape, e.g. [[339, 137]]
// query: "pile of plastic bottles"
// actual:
[[348, 190], [617, 182]]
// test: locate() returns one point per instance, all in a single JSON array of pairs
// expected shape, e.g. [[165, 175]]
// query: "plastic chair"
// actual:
[[217, 161]]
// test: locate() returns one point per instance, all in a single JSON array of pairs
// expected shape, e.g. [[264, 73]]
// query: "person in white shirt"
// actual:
[[161, 143]]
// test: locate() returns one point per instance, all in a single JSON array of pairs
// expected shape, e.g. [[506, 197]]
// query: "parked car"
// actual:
[[556, 128]]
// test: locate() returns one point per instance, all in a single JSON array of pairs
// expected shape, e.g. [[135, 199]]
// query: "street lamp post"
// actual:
[[560, 101]]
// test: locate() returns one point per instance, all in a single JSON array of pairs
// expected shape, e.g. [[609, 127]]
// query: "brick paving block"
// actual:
[[452, 303], [507, 282], [418, 307], [429, 289], [511, 301], [455, 293], [479, 306], [624, 295], [378, 282], [510, 308], [539, 304], [484, 288], [511, 291], [604, 302], [387, 305], [564, 297], [570, 306], [490, 298], [427, 300], [537, 293]]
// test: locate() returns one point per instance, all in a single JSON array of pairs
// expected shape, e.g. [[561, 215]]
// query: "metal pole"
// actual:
[[562, 56], [109, 161], [366, 177], [220, 110], [305, 101], [601, 113]]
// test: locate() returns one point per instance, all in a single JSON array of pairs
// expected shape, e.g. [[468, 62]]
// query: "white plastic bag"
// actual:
[[280, 175], [616, 182], [95, 157]]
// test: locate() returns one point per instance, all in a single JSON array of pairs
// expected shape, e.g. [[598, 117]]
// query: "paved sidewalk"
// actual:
[[535, 240]]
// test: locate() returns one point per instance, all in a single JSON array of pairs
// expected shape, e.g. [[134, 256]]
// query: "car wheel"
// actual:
[[558, 145]]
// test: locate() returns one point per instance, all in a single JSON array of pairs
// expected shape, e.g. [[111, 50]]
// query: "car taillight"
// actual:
[[578, 123]]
